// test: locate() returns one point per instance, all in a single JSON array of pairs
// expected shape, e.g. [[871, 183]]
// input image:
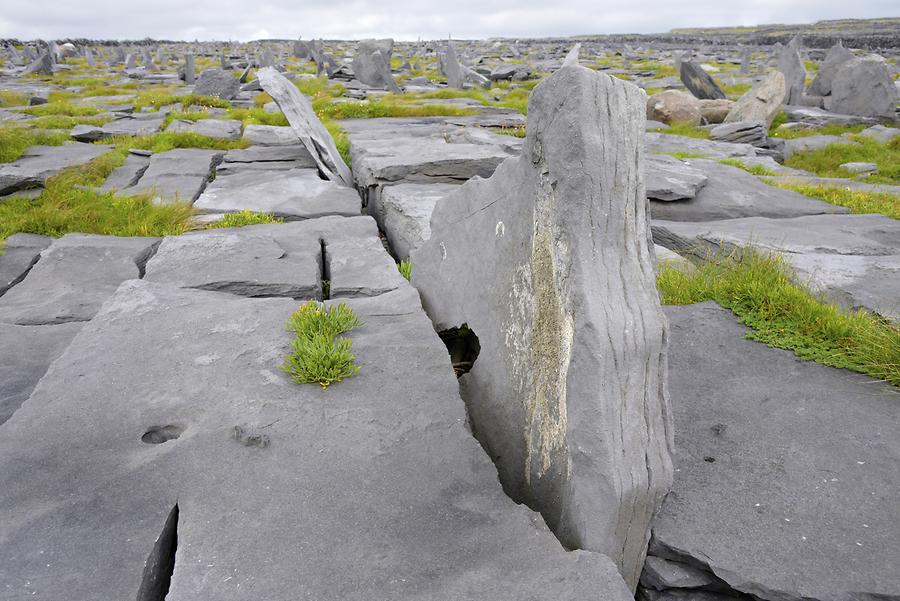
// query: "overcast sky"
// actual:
[[428, 19]]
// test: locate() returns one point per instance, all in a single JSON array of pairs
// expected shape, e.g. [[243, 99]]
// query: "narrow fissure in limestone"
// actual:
[[142, 259], [161, 562], [21, 277], [463, 346], [324, 271]]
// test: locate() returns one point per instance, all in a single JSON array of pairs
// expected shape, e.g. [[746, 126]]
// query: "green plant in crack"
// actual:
[[318, 353], [405, 268]]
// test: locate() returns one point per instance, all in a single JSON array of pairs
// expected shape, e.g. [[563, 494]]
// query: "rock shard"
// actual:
[[299, 112], [548, 262]]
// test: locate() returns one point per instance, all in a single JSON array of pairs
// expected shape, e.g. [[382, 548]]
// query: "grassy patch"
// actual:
[[15, 140], [516, 132], [833, 129], [242, 218], [341, 141], [376, 108], [858, 201], [168, 140], [257, 116], [825, 162], [760, 290], [68, 204], [10, 98], [161, 99], [61, 107], [682, 155], [318, 353], [64, 122], [736, 90], [684, 129], [754, 169]]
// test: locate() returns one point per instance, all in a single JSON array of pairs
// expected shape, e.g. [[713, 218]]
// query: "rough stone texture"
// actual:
[[223, 129], [299, 112], [218, 83], [73, 277], [742, 132], [292, 194], [19, 252], [40, 162], [673, 106], [817, 117], [270, 135], [863, 86], [127, 174], [786, 468], [853, 259], [762, 102], [404, 214], [177, 175], [577, 425], [140, 125], [699, 82], [263, 518], [296, 153], [790, 64], [807, 143], [715, 111], [667, 178], [881, 133], [709, 148], [837, 56], [25, 354], [43, 65], [731, 192], [661, 574], [372, 64]]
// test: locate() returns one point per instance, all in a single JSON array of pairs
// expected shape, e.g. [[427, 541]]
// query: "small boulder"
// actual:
[[863, 86], [218, 83], [762, 102], [673, 106]]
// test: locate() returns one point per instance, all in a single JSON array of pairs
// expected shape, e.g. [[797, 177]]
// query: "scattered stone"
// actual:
[[837, 56], [859, 168], [372, 64], [667, 178], [299, 112], [863, 86], [881, 133], [699, 82], [43, 65], [742, 132], [673, 106], [762, 102], [545, 347], [217, 83]]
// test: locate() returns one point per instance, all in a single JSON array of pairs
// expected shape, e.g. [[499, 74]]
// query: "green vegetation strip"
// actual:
[[825, 162], [318, 353], [754, 169], [15, 140], [242, 218], [858, 201], [759, 288]]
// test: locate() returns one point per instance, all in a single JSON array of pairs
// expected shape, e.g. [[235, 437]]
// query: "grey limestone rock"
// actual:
[[177, 175], [790, 64], [863, 86], [762, 102], [837, 56], [218, 83], [699, 82], [372, 64], [667, 178], [40, 162], [20, 252], [577, 425]]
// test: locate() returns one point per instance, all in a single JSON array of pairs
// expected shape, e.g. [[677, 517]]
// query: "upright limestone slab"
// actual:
[[548, 263], [299, 112]]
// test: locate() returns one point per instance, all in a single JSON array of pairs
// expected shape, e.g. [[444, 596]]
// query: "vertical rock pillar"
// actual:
[[549, 263]]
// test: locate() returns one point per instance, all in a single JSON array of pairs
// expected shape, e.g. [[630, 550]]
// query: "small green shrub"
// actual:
[[242, 218], [318, 354], [761, 290]]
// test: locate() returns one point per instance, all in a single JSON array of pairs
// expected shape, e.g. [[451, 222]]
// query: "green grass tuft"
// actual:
[[754, 169], [825, 162], [405, 267], [687, 130], [858, 201], [833, 129], [15, 140], [318, 354], [760, 289], [168, 140], [242, 218], [341, 141], [10, 98]]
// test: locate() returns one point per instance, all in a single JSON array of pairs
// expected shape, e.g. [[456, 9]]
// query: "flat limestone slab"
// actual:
[[731, 192], [667, 178], [280, 260], [40, 162], [25, 354], [372, 489], [270, 135], [177, 175], [853, 259], [127, 174], [73, 277], [19, 252], [223, 129], [291, 194], [786, 470], [404, 213]]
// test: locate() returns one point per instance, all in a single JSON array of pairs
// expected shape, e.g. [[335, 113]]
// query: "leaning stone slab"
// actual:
[[299, 112], [25, 354], [853, 259], [19, 253], [178, 175], [208, 464], [699, 82], [223, 129], [73, 277], [731, 192], [762, 102], [790, 64], [576, 424], [40, 162], [786, 468], [864, 86], [291, 194]]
